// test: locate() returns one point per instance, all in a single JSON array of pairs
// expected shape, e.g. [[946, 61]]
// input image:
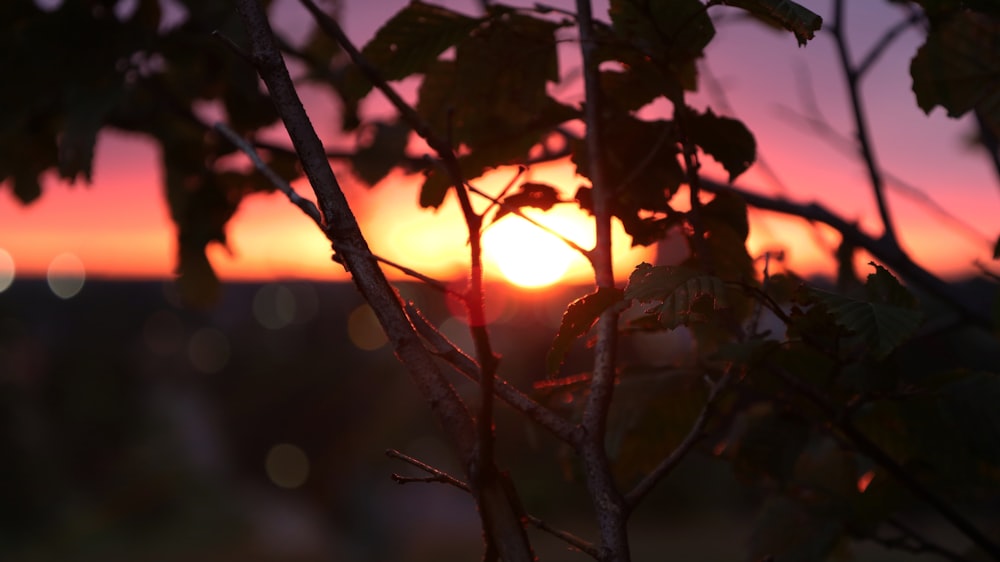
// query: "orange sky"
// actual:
[[119, 226]]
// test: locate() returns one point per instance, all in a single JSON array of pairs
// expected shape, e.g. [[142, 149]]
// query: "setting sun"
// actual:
[[526, 255]]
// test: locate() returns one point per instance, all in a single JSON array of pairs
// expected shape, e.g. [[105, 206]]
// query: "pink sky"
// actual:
[[119, 226]]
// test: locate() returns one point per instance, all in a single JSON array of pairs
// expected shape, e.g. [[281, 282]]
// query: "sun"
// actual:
[[528, 256]]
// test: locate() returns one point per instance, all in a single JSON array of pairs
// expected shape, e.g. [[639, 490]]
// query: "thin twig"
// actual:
[[437, 475], [307, 206], [467, 366], [885, 41], [518, 212], [852, 76], [694, 435], [312, 211], [897, 184], [567, 537]]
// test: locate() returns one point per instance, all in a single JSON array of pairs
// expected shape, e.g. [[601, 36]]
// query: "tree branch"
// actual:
[[437, 475], [853, 76], [694, 435], [501, 524], [612, 511], [444, 348], [883, 250]]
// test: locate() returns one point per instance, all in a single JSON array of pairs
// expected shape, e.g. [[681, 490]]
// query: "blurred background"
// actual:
[[134, 428]]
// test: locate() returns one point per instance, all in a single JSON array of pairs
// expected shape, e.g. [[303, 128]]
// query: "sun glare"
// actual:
[[526, 255]]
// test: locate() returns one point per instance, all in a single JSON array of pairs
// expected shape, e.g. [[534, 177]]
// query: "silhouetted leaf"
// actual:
[[996, 250], [496, 86], [958, 68], [677, 288], [669, 30], [580, 315], [531, 194], [799, 20], [413, 39], [884, 322], [727, 140], [640, 163]]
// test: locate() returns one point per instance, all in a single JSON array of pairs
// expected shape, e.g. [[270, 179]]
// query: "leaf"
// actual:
[[382, 152], [580, 315], [726, 140], [678, 289], [674, 31], [531, 194], [996, 250], [640, 163], [412, 40], [883, 322], [799, 20], [958, 68], [883, 287], [86, 111], [496, 87]]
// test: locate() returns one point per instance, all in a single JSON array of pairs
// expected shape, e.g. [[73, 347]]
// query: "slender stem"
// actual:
[[853, 76], [886, 40], [437, 475], [612, 512], [307, 206], [694, 435], [467, 366], [310, 209], [517, 211]]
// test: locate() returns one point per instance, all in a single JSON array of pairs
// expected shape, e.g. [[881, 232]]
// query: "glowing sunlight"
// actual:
[[526, 255]]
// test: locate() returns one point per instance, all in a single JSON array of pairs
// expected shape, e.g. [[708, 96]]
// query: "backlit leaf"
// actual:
[[669, 30], [531, 194], [413, 39], [678, 289], [580, 315], [799, 20], [727, 140], [958, 68], [883, 322]]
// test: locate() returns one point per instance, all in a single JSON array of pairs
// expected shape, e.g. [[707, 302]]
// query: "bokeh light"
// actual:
[[6, 270], [364, 330], [274, 306], [66, 275], [287, 466]]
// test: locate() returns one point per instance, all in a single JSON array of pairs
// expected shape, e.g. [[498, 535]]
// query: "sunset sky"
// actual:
[[119, 227]]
